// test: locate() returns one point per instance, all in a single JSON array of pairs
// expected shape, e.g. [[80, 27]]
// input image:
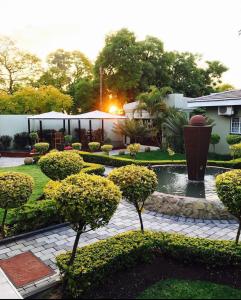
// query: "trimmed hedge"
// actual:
[[95, 169], [99, 261], [33, 216], [119, 161]]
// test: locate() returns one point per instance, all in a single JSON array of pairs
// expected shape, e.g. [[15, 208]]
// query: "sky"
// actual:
[[207, 27]]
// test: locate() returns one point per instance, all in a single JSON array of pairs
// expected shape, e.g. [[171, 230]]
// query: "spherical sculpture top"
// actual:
[[197, 120]]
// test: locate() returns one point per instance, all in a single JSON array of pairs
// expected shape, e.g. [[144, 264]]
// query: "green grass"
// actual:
[[184, 289], [154, 155], [40, 180]]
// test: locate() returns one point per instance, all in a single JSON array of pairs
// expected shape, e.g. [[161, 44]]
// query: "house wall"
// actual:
[[12, 124]]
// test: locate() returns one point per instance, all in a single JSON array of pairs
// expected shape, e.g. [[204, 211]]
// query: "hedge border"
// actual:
[[119, 162]]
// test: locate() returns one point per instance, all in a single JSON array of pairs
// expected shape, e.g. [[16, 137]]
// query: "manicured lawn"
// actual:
[[40, 179], [184, 289], [155, 155]]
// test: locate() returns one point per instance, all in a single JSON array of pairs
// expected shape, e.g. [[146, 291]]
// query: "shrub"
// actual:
[[34, 137], [41, 148], [76, 146], [68, 139], [235, 150], [5, 141], [93, 169], [170, 152], [147, 149], [136, 183], [21, 140], [59, 165], [94, 146], [33, 216], [134, 149], [106, 149], [97, 262], [86, 200], [229, 191], [214, 140], [50, 189], [28, 161], [15, 190], [233, 139]]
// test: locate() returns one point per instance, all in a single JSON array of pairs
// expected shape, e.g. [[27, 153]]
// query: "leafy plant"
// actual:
[[77, 146], [215, 139], [134, 149], [34, 137], [21, 140], [41, 148], [94, 146], [5, 141], [233, 139], [170, 152], [235, 150], [68, 139], [136, 183], [106, 149]]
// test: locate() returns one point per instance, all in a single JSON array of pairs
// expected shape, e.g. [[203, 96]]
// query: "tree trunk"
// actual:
[[75, 248], [238, 233], [3, 222], [140, 218]]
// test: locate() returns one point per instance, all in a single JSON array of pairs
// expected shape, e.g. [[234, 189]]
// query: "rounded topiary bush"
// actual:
[[77, 146], [233, 139], [87, 200], [15, 190], [137, 183], [41, 148], [94, 146], [106, 149], [59, 165], [229, 191]]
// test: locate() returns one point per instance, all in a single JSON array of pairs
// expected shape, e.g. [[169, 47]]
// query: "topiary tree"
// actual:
[[229, 191], [214, 140], [41, 148], [87, 202], [5, 141], [235, 150], [106, 149], [15, 190], [59, 165], [136, 183], [77, 146], [134, 149], [233, 139], [34, 137], [94, 146]]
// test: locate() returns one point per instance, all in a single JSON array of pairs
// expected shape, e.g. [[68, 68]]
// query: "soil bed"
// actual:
[[131, 283]]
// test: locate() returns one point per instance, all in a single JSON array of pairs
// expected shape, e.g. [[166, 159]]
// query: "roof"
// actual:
[[53, 115], [100, 115], [131, 105], [228, 98]]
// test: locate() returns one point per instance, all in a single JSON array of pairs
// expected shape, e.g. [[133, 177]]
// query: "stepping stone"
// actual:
[[25, 268]]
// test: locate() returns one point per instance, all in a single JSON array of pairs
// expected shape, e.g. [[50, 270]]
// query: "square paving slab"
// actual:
[[25, 268]]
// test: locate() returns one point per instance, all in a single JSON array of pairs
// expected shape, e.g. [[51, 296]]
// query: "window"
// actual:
[[236, 125]]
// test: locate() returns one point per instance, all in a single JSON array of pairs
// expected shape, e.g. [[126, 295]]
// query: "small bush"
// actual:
[[134, 149], [68, 139], [94, 146], [21, 140], [106, 149], [28, 161], [136, 183], [59, 165], [41, 148], [214, 140], [147, 149], [94, 169], [95, 263], [15, 190], [233, 139], [50, 189], [77, 146], [229, 191], [235, 150], [34, 137], [5, 141]]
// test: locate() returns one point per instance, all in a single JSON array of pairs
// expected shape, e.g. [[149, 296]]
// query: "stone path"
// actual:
[[7, 290], [48, 245], [11, 162]]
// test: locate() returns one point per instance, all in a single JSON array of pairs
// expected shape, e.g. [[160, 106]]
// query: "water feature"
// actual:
[[174, 180]]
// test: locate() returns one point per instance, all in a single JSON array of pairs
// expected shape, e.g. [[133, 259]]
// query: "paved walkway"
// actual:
[[116, 152], [7, 290], [11, 162], [48, 245]]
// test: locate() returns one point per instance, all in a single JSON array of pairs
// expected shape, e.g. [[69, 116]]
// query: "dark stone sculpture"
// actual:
[[197, 139]]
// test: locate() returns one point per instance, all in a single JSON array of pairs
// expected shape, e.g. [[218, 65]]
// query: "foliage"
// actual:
[[17, 67], [96, 169], [5, 141], [215, 139], [170, 152], [106, 149], [94, 146], [76, 146], [229, 191], [233, 139], [87, 201], [41, 148], [133, 149], [136, 183], [33, 216], [97, 262], [15, 190], [21, 140], [224, 87], [34, 137], [59, 165], [147, 149], [235, 150], [134, 129], [68, 139], [189, 289]]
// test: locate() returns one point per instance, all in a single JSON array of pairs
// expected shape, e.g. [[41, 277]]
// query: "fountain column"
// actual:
[[197, 140]]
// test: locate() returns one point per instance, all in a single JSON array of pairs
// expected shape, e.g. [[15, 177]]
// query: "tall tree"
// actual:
[[17, 67]]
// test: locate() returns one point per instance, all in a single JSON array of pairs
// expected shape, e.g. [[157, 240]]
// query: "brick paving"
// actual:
[[48, 245]]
